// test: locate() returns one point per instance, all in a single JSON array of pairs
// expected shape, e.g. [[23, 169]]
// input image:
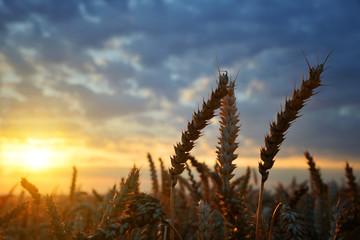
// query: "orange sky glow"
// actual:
[[48, 164]]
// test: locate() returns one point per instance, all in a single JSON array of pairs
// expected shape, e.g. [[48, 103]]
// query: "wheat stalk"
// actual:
[[321, 190], [199, 121], [13, 213], [195, 193], [73, 184], [347, 222], [352, 185], [278, 128], [206, 221], [155, 184], [203, 170], [56, 224], [32, 189], [297, 195], [227, 141], [315, 174]]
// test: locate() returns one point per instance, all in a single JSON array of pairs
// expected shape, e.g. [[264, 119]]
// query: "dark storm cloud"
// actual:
[[167, 45]]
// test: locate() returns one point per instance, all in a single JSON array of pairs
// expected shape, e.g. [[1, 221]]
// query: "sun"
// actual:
[[36, 158], [34, 155]]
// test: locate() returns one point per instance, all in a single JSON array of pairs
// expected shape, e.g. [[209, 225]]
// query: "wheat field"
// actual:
[[192, 200]]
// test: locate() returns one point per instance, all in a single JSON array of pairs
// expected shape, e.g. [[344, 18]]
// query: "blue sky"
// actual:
[[123, 77]]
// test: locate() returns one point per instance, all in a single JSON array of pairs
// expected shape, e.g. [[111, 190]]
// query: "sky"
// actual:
[[98, 84]]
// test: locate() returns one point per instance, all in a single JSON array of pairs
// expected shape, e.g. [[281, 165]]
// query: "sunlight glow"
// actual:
[[33, 154], [36, 158]]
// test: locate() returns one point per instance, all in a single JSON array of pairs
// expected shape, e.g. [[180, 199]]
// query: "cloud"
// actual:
[[96, 62]]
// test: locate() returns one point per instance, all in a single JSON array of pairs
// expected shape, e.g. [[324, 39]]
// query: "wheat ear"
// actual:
[[5, 219], [165, 187], [347, 223], [321, 190], [203, 170], [199, 121], [351, 182], [320, 187], [206, 221], [55, 222], [73, 184], [291, 224], [155, 184], [227, 144], [279, 127], [194, 190], [32, 189]]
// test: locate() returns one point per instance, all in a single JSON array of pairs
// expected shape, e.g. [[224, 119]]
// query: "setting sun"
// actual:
[[36, 158], [33, 154]]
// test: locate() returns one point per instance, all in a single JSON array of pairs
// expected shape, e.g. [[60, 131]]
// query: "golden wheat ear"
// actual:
[[73, 184], [199, 121], [205, 221], [154, 179], [352, 185], [32, 189], [56, 225], [13, 213], [288, 114], [192, 133], [229, 128]]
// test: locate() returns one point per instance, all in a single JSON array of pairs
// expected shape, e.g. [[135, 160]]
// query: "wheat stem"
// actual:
[[273, 219]]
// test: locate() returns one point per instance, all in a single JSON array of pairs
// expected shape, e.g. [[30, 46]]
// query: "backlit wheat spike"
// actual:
[[32, 189], [182, 150], [98, 197], [106, 206], [73, 184], [240, 184], [127, 192], [149, 232], [140, 211], [227, 144], [15, 212], [315, 174], [255, 175], [278, 128], [199, 121], [347, 225], [286, 117], [203, 170], [165, 186], [195, 193], [309, 217], [297, 195], [321, 190], [116, 205], [291, 224], [155, 184], [56, 224], [206, 221], [352, 185], [337, 210]]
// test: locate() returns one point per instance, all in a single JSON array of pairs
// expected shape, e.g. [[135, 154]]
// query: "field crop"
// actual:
[[210, 203]]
